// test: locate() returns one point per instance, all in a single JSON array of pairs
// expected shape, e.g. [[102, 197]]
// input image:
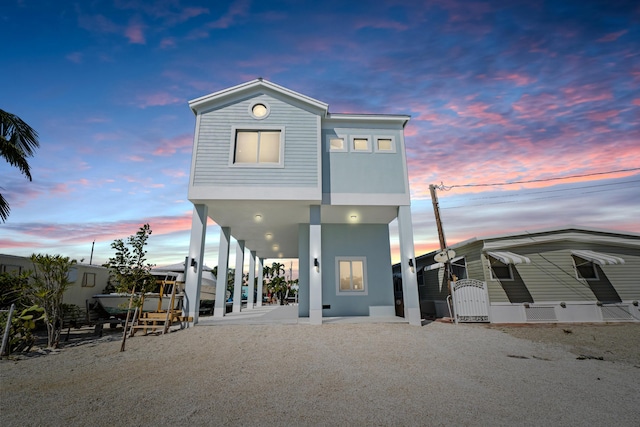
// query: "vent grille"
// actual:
[[616, 312], [541, 314]]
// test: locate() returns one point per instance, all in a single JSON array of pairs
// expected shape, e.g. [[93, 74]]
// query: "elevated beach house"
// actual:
[[287, 179], [571, 274]]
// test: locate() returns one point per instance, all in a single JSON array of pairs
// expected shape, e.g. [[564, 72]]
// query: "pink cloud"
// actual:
[[174, 173], [136, 158], [237, 9], [611, 37], [170, 146], [518, 79], [157, 99], [479, 111], [12, 244], [601, 116], [167, 42], [585, 93], [636, 102], [135, 33]]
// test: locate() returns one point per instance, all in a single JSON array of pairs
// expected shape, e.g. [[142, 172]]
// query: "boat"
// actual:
[[116, 304]]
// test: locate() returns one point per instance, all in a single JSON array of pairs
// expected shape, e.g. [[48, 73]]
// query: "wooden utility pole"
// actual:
[[436, 211], [443, 242]]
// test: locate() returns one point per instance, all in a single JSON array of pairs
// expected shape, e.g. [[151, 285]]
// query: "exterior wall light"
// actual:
[[194, 263], [563, 304], [413, 270], [316, 264]]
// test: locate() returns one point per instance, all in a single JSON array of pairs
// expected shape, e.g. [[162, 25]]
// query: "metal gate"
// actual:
[[470, 300]]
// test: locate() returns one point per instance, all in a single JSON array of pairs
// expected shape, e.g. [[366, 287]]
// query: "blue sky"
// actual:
[[498, 91]]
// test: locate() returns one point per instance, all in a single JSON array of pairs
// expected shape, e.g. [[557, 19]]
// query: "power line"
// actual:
[[527, 200], [443, 187], [501, 196]]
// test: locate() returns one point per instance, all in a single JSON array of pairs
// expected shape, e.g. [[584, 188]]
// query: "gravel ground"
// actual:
[[334, 374]]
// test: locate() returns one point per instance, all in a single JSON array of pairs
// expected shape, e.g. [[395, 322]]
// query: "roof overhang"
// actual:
[[228, 95], [598, 257], [509, 257]]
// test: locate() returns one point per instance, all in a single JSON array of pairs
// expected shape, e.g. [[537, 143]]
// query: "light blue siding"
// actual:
[[358, 172], [343, 240], [215, 143]]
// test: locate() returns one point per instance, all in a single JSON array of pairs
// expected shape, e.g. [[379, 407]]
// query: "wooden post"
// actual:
[[7, 329], [126, 323]]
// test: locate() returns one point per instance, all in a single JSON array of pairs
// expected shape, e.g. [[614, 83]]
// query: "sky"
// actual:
[[498, 92]]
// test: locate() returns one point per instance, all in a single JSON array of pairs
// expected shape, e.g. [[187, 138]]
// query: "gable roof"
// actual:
[[236, 92]]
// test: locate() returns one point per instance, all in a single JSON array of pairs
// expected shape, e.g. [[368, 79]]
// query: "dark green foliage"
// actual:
[[129, 268], [18, 141], [23, 322]]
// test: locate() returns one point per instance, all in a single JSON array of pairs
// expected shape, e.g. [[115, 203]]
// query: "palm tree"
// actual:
[[18, 141]]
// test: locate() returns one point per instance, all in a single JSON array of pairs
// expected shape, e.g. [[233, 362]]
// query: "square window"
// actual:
[[88, 280], [336, 143], [385, 144], [351, 274], [500, 270], [361, 144], [257, 148], [585, 269]]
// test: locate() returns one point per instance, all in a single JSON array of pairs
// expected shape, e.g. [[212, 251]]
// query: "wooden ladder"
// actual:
[[159, 319]]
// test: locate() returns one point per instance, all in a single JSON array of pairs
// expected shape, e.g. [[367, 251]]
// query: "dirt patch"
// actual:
[[617, 342]]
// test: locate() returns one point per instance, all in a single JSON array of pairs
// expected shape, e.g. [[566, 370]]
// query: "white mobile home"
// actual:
[[287, 179], [561, 275], [86, 280]]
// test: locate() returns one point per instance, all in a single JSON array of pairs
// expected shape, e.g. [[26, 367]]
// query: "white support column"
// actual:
[[223, 267], [237, 283], [252, 278], [409, 274], [315, 273], [193, 277], [260, 279]]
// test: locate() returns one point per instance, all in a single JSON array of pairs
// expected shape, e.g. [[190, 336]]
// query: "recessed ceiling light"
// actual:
[[258, 217], [268, 236], [275, 247]]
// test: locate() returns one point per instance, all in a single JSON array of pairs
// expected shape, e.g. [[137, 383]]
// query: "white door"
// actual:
[[470, 300]]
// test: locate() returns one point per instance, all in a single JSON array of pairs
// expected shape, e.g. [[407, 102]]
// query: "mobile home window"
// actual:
[[9, 268], [585, 269], [500, 270], [258, 147], [88, 280], [459, 269], [351, 274]]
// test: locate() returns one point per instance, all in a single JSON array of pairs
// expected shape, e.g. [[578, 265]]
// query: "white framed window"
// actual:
[[262, 147], [360, 144], [9, 268], [385, 144], [499, 270], [351, 276], [88, 280], [585, 269], [336, 144], [259, 110]]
